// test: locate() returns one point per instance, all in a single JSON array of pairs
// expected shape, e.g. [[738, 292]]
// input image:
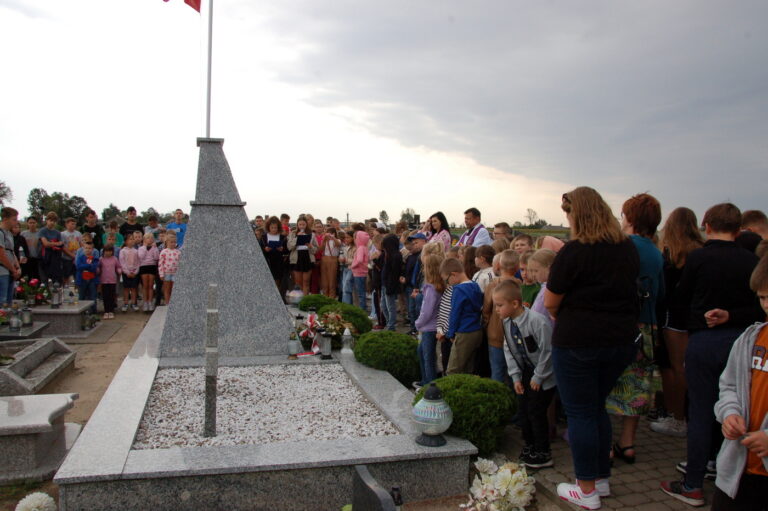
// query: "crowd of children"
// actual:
[[131, 255], [622, 295]]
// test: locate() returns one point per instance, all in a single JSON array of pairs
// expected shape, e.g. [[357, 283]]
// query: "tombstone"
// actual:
[[368, 494], [220, 247], [33, 436]]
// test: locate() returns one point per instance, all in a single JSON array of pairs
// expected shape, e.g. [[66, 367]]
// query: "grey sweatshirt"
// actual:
[[533, 326], [734, 399]]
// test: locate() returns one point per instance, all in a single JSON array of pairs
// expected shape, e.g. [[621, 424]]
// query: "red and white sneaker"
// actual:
[[573, 494], [676, 489]]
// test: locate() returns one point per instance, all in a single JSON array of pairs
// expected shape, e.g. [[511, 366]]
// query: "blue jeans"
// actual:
[[705, 358], [585, 377], [389, 306], [87, 291], [346, 285], [360, 288], [6, 289], [414, 306], [498, 364], [427, 356]]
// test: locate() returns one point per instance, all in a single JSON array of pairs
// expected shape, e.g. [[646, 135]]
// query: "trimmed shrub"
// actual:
[[352, 314], [481, 408], [316, 301], [391, 352]]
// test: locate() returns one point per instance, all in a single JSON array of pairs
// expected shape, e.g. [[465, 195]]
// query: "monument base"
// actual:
[[104, 472]]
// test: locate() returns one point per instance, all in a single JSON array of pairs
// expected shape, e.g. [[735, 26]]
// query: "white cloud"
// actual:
[[332, 107]]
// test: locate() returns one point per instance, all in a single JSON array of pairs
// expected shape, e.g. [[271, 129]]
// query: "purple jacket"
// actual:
[[430, 304]]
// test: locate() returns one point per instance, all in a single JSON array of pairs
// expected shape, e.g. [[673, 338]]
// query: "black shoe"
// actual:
[[621, 453], [538, 460], [710, 472], [526, 452]]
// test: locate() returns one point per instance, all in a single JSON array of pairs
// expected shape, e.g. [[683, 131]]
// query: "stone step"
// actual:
[[49, 369], [35, 366]]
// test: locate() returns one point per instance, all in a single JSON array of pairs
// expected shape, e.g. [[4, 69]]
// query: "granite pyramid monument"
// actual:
[[220, 248]]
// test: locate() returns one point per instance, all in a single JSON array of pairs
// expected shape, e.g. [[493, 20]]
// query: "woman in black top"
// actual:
[[592, 292], [275, 246]]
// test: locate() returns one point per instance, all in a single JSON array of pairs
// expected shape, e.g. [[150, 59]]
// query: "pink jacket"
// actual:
[[148, 256], [109, 269], [129, 260], [359, 264]]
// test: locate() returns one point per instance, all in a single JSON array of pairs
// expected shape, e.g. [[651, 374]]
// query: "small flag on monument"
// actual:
[[195, 4]]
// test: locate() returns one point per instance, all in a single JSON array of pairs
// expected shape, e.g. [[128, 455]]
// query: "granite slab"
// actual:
[[64, 321], [33, 331]]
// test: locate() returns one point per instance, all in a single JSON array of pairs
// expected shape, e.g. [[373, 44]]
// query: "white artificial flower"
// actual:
[[37, 501], [485, 466], [504, 480], [477, 488], [504, 488]]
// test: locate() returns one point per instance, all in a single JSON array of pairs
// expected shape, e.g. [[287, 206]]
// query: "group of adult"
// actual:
[[616, 316]]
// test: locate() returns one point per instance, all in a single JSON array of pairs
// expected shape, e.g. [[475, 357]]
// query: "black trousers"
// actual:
[[109, 295], [533, 414], [750, 497], [445, 354], [30, 268]]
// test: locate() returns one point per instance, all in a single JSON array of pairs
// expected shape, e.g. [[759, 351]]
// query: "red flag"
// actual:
[[195, 4]]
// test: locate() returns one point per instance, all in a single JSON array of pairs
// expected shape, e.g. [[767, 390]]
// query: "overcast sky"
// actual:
[[336, 107]]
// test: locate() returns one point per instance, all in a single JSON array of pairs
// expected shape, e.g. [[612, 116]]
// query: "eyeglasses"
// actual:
[[566, 199]]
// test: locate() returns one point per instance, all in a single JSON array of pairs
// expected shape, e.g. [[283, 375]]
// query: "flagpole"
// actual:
[[210, 57]]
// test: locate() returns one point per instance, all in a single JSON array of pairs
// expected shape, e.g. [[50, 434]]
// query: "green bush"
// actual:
[[391, 352], [316, 301], [355, 315], [481, 408]]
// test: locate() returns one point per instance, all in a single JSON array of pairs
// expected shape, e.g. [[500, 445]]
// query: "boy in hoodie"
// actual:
[[742, 465], [86, 274], [528, 352], [465, 328]]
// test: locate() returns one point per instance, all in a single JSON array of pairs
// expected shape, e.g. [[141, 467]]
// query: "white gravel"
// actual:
[[258, 405]]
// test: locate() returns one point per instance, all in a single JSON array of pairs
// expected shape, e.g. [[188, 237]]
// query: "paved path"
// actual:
[[633, 487]]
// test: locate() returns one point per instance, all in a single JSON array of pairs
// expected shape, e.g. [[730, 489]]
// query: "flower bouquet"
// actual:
[[505, 488], [32, 291], [334, 324], [308, 333]]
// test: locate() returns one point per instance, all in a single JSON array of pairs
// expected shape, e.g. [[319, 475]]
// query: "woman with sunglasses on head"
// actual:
[[592, 294], [436, 229]]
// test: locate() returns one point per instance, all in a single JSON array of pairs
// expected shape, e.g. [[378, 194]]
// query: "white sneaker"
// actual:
[[670, 426], [603, 487], [151, 307], [124, 308], [573, 494], [135, 307]]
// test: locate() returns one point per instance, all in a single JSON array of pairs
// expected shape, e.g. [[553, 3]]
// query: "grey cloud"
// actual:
[[670, 97]]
